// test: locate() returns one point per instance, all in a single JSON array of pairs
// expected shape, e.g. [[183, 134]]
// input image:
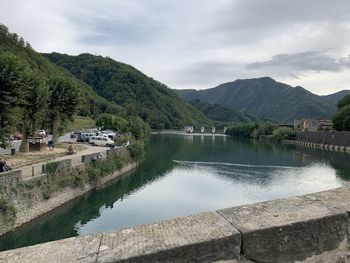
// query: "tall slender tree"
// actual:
[[11, 85], [63, 103], [33, 106]]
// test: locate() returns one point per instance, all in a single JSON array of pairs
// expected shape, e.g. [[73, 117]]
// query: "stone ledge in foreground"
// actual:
[[76, 249], [203, 237], [287, 230]]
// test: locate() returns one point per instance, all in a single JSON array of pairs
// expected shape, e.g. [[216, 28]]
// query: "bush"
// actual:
[[282, 133], [341, 120], [242, 130], [136, 151]]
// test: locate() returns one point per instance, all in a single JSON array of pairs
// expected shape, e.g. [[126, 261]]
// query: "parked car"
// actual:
[[82, 138], [101, 141], [87, 135], [42, 133], [17, 136]]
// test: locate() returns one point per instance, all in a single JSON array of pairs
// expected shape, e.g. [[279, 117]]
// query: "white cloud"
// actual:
[[196, 44]]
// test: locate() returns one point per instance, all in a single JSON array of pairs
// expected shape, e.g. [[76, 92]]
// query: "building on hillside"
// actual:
[[225, 129], [189, 129], [213, 129], [202, 129], [312, 125]]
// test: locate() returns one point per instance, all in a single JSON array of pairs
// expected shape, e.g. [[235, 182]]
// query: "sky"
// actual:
[[196, 44]]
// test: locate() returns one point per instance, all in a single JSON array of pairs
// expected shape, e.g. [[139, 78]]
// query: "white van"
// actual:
[[101, 141]]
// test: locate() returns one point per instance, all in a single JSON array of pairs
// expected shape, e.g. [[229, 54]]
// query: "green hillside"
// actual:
[[265, 97], [336, 97], [90, 102], [156, 104], [219, 113]]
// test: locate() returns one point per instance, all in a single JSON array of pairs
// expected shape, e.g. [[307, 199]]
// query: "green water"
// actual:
[[183, 175]]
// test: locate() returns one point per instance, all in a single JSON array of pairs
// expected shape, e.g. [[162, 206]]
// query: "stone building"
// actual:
[[312, 125]]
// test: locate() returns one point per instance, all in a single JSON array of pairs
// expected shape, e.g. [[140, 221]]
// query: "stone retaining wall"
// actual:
[[310, 228], [6, 178], [340, 138], [35, 205], [319, 145]]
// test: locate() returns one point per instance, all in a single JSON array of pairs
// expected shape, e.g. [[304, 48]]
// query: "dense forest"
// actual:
[[153, 101]]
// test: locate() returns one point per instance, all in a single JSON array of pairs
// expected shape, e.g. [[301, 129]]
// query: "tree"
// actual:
[[119, 124], [341, 119], [33, 106], [63, 103], [11, 84], [344, 102], [104, 121]]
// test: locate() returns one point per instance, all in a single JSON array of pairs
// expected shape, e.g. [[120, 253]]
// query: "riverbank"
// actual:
[[32, 191], [307, 228]]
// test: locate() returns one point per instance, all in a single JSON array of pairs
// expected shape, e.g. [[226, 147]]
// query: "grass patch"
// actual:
[[80, 123]]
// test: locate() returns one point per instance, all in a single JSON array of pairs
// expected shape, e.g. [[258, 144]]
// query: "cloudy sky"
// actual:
[[195, 43]]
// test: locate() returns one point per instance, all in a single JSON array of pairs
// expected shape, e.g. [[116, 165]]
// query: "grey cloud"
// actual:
[[299, 63]]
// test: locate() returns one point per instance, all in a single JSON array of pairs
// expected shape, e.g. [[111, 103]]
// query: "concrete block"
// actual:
[[338, 198], [27, 172], [205, 237], [37, 169], [287, 230], [76, 249]]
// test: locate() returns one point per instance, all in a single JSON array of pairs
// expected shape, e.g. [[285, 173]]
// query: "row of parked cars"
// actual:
[[97, 138]]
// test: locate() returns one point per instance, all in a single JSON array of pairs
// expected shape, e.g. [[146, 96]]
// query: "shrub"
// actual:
[[242, 130], [136, 151], [282, 133]]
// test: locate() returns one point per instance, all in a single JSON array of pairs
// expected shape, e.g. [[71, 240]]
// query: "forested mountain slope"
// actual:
[[265, 97], [90, 102], [121, 83], [336, 97]]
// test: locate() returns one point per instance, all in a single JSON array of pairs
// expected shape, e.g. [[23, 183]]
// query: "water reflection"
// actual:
[[187, 174]]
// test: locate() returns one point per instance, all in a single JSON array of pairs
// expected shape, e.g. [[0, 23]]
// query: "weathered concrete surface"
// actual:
[[311, 228], [204, 237], [287, 230], [338, 198], [77, 249]]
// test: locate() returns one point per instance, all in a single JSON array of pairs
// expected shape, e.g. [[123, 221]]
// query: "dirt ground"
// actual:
[[21, 159]]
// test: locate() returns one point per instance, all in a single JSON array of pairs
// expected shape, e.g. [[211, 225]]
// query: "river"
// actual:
[[184, 174]]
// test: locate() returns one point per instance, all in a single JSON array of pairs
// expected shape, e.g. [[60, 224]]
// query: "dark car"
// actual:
[[82, 138]]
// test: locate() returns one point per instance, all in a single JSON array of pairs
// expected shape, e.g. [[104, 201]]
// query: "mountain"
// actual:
[[336, 97], [125, 85], [265, 97], [219, 113], [90, 102]]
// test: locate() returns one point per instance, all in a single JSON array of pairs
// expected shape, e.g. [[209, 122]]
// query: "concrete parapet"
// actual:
[[311, 228], [199, 238], [287, 230], [77, 160], [77, 249]]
